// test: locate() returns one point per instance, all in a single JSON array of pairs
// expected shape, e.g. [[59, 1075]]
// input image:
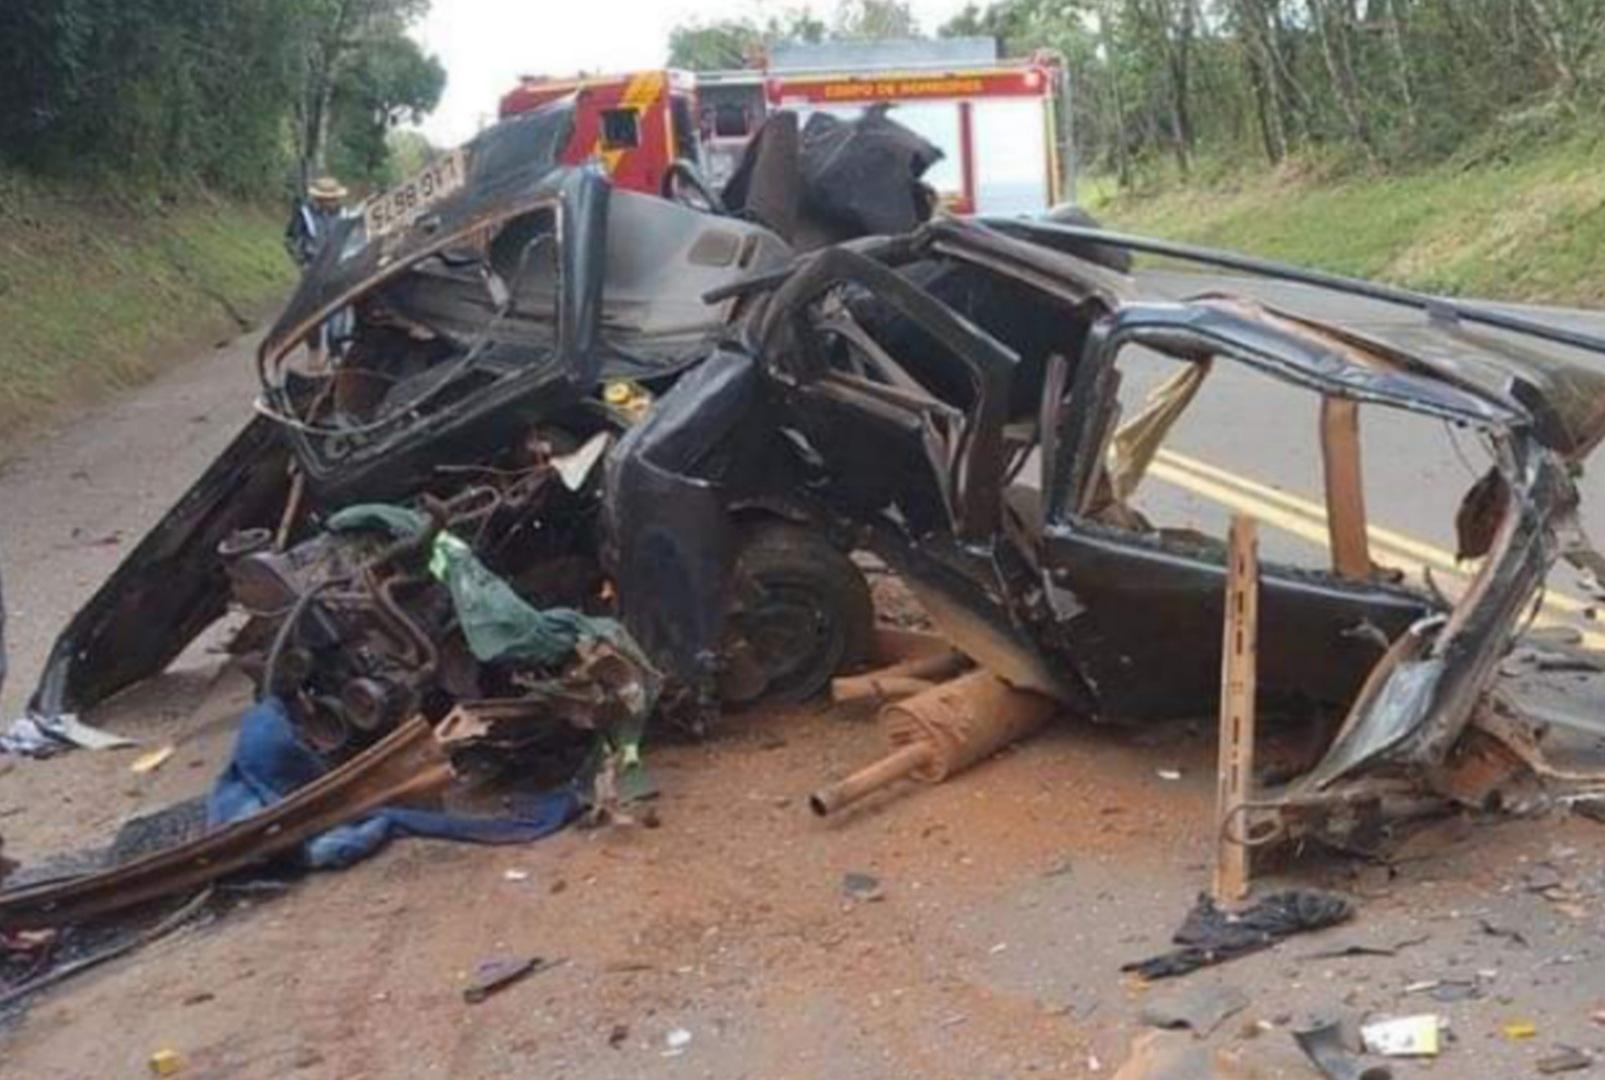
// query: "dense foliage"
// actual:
[[234, 93], [1164, 83], [1390, 81], [738, 42]]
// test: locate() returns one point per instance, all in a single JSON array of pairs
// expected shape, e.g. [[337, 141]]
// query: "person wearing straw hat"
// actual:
[[310, 224], [312, 218]]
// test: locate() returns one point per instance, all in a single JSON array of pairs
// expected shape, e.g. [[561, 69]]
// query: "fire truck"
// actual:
[[1000, 124], [637, 125]]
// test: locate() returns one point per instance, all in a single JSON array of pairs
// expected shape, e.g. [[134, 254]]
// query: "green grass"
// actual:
[[99, 290], [1524, 225]]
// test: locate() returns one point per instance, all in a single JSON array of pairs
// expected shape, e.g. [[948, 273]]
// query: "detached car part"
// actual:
[[477, 331]]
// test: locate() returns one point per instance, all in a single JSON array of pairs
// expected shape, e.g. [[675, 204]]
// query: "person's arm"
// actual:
[[299, 235]]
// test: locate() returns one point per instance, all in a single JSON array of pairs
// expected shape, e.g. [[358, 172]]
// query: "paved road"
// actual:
[[1012, 893], [78, 494], [1249, 443], [81, 491]]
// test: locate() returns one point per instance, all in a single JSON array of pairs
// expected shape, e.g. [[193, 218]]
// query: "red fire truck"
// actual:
[[998, 123], [637, 125]]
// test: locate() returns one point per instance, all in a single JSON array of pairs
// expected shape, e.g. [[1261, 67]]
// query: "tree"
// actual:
[[870, 19], [734, 43], [1169, 26], [971, 21], [387, 84], [213, 90], [1158, 84], [410, 150], [725, 43], [342, 30]]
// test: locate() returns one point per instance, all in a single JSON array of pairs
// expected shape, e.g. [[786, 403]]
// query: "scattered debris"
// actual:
[[941, 731], [62, 972], [903, 678], [1200, 1008], [1062, 868], [165, 1062], [618, 1035], [1173, 1055], [515, 875], [1516, 1030], [1446, 990], [1515, 937], [331, 818], [152, 760], [1403, 1036], [497, 972], [1591, 807], [1542, 877], [1451, 990], [862, 888], [1361, 949], [1210, 935], [1234, 767], [1324, 1046], [1564, 1059], [676, 1042], [1168, 774]]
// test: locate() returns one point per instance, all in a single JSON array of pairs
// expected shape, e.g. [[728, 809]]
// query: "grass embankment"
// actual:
[[99, 290], [1518, 223]]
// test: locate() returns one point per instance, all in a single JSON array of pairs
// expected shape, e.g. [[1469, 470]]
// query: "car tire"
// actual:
[[802, 612]]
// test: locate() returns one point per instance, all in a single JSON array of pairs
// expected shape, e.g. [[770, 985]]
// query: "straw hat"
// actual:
[[327, 189]]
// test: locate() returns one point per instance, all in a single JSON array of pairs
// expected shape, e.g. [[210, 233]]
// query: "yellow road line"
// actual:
[[1396, 542], [1266, 511], [1307, 520]]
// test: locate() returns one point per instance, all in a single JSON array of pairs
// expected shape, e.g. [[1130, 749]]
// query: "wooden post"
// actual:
[[1345, 494], [1235, 766]]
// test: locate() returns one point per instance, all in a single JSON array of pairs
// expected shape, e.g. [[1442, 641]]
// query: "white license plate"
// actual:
[[412, 198]]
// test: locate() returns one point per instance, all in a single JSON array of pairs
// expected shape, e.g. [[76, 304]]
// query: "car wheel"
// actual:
[[801, 612]]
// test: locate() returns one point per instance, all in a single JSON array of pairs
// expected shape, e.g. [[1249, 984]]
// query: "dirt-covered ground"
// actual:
[[1009, 897]]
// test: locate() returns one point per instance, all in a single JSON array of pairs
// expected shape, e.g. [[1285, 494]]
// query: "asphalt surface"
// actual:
[[1013, 893], [1248, 439], [81, 490]]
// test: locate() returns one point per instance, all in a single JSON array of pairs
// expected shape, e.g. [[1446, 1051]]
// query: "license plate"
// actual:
[[412, 198]]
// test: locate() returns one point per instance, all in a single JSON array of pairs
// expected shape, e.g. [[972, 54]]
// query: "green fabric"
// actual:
[[497, 623], [398, 521]]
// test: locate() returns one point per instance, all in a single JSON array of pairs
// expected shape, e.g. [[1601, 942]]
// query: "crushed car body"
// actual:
[[491, 344], [584, 456], [901, 391]]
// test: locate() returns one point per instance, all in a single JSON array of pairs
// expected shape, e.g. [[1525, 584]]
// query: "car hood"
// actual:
[[505, 166]]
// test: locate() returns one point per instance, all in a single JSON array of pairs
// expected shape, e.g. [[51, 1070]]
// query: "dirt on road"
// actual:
[[721, 943]]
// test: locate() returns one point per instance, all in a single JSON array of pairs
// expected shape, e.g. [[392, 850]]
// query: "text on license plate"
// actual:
[[407, 201]]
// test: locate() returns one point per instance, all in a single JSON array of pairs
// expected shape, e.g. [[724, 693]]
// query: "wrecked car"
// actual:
[[949, 401], [501, 334]]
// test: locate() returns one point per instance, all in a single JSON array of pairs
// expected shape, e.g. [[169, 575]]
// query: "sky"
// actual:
[[487, 44]]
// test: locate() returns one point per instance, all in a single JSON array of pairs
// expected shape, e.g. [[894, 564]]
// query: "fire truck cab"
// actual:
[[637, 125]]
